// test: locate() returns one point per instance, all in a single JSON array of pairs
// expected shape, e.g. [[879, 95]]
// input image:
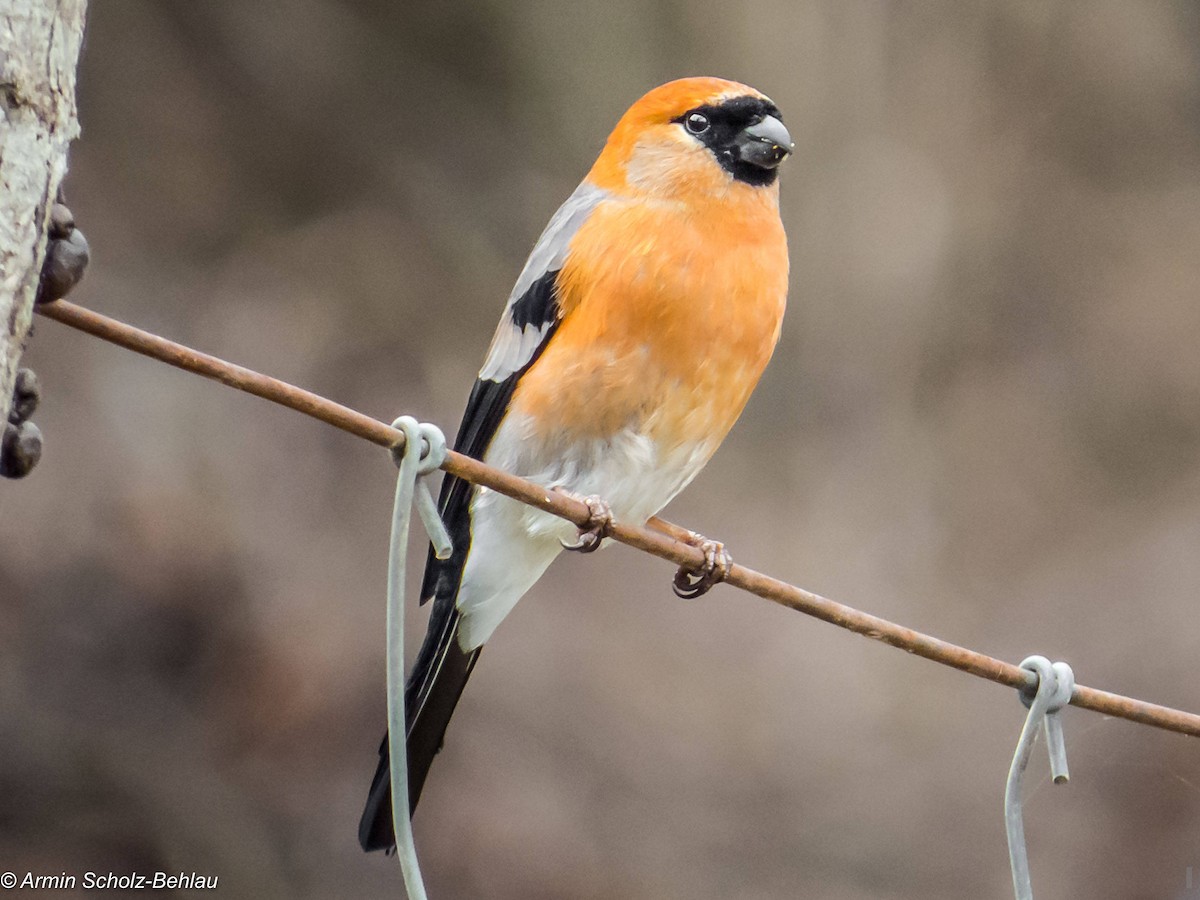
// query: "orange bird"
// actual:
[[635, 333]]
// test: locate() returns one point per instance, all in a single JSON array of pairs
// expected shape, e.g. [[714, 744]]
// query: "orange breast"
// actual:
[[671, 312]]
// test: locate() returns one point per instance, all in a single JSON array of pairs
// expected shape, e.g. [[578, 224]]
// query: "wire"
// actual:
[[413, 460], [658, 537], [1056, 683]]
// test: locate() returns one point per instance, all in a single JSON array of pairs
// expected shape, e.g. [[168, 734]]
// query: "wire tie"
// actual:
[[423, 451], [433, 453], [1051, 690]]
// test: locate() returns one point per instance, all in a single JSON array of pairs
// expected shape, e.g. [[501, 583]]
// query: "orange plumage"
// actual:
[[677, 335], [629, 346], [673, 293]]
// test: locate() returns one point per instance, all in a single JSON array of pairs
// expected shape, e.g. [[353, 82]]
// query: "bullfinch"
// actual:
[[628, 347]]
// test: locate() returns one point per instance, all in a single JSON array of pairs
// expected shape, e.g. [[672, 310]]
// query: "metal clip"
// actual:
[[424, 451], [1052, 691], [432, 445]]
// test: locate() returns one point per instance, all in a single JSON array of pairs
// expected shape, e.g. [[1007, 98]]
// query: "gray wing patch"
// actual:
[[531, 308]]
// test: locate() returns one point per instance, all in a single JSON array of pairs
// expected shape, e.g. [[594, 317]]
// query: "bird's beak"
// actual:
[[764, 144]]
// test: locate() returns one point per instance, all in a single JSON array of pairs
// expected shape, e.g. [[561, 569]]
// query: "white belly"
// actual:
[[512, 544]]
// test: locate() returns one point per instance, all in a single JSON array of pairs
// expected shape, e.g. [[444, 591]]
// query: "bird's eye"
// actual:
[[696, 123]]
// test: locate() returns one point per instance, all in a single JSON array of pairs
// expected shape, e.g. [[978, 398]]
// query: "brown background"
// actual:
[[983, 420]]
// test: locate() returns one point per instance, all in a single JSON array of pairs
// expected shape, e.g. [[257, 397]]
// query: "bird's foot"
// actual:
[[600, 520], [66, 255], [692, 583]]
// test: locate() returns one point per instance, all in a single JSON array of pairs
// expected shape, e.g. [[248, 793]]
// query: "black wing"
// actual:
[[442, 668]]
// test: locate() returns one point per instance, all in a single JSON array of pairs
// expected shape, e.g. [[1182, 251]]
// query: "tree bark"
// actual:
[[39, 52]]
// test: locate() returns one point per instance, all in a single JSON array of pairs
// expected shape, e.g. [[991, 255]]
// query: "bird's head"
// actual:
[[694, 136]]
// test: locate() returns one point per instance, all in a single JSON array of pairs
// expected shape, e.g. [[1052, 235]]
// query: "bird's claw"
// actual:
[[692, 583], [599, 523]]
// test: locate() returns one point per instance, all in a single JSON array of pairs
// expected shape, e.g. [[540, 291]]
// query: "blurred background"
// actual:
[[983, 421]]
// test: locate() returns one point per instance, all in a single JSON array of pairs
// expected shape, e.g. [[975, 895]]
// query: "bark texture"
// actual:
[[39, 51]]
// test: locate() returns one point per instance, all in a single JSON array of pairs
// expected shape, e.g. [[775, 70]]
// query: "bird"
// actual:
[[628, 347]]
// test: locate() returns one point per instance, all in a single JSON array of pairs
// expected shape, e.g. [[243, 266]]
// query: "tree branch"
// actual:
[[39, 52], [660, 538]]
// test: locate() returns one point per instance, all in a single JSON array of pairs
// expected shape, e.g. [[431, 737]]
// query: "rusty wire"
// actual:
[[658, 537]]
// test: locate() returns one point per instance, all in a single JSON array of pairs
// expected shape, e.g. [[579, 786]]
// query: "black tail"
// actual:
[[432, 692], [437, 678], [442, 667]]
